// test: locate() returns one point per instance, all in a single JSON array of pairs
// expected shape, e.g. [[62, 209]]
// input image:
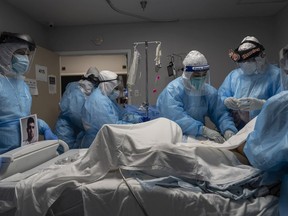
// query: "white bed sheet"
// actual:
[[111, 197], [132, 148]]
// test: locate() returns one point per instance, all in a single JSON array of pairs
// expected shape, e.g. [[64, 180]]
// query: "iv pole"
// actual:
[[146, 105]]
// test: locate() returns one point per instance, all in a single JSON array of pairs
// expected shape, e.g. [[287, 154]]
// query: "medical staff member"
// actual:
[[245, 89], [16, 54], [69, 126], [102, 108], [188, 99], [266, 147]]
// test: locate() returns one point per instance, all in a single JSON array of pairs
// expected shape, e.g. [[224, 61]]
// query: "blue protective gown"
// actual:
[[267, 146], [261, 86], [69, 126], [189, 110], [16, 102], [98, 110]]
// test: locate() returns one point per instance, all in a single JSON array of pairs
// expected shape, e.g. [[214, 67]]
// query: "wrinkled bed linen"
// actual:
[[111, 197], [232, 143], [149, 147]]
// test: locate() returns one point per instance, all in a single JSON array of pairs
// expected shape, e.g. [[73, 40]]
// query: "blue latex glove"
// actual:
[[133, 118], [49, 135], [145, 119]]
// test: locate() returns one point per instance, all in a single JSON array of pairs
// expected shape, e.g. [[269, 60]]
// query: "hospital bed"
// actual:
[[82, 182]]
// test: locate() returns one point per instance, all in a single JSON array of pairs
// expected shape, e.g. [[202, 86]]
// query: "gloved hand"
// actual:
[[49, 135], [231, 103], [132, 118], [249, 104], [228, 134], [212, 134], [145, 119]]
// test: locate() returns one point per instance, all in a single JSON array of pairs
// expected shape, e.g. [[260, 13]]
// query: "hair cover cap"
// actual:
[[108, 81], [247, 45], [92, 70], [195, 58]]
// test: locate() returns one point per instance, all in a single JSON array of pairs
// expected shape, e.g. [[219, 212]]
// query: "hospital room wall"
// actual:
[[13, 20], [212, 37], [46, 104], [281, 28]]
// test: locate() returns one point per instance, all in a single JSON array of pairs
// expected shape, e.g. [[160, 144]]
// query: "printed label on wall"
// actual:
[[41, 73], [52, 84]]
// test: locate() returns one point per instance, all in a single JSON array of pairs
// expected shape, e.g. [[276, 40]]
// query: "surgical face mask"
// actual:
[[261, 64], [114, 95], [20, 63], [248, 68], [197, 82]]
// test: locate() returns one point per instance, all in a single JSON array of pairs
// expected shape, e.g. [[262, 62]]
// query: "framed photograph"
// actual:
[[29, 129]]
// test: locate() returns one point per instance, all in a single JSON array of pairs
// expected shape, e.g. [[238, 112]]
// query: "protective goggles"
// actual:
[[241, 56], [96, 81]]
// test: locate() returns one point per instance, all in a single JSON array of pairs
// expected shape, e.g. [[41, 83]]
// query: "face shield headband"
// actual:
[[8, 37], [194, 78], [197, 68], [241, 56]]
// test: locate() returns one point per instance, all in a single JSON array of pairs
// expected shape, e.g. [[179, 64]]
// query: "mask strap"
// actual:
[[95, 80]]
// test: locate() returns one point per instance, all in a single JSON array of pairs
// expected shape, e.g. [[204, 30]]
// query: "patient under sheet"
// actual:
[[148, 147]]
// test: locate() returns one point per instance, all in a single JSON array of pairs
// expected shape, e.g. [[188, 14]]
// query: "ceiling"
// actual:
[[89, 12]]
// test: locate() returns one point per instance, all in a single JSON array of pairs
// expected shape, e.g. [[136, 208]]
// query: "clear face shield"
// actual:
[[116, 91], [284, 69], [195, 77], [16, 59]]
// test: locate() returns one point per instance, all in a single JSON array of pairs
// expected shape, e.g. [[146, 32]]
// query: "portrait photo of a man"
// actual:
[[29, 130]]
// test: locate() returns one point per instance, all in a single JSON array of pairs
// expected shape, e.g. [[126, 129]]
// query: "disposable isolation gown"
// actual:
[[267, 146], [69, 126], [98, 110], [189, 110], [16, 102], [261, 86]]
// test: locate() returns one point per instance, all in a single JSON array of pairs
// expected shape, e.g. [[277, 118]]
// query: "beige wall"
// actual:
[[79, 64], [45, 105]]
